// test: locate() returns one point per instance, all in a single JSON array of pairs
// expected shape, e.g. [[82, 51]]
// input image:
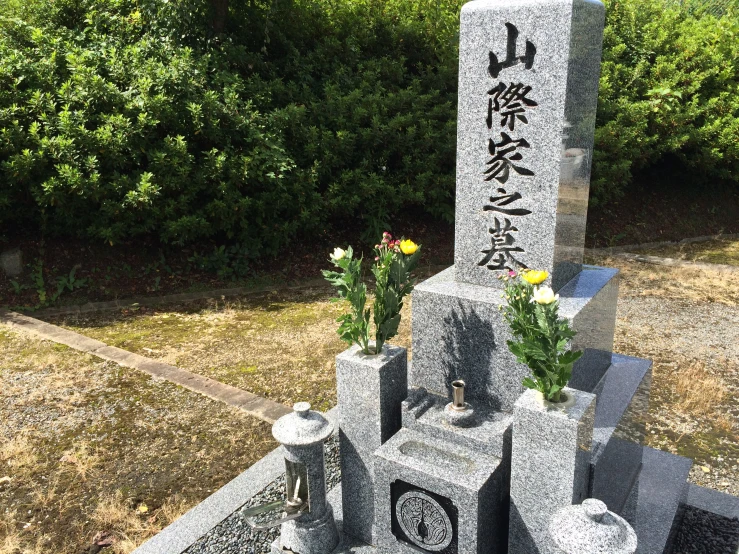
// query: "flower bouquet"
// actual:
[[394, 261], [541, 337]]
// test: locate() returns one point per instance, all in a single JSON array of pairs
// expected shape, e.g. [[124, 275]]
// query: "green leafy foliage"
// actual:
[[353, 326], [669, 91], [125, 118], [393, 282], [541, 340]]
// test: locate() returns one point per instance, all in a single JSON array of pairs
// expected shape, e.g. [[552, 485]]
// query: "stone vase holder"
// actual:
[[370, 390], [550, 463]]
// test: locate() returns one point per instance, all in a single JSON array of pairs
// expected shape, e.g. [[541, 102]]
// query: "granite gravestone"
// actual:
[[527, 99], [528, 84]]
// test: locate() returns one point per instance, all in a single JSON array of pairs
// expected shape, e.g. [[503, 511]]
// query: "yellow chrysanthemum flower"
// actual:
[[408, 247], [534, 277]]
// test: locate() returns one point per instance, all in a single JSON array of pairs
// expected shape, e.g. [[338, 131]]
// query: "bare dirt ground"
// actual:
[[687, 322], [93, 454]]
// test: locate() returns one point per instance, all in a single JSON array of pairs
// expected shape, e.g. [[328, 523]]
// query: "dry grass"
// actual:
[[698, 391], [674, 283], [717, 251], [84, 443], [123, 523], [279, 345]]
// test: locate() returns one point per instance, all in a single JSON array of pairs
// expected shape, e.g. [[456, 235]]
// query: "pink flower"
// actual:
[[377, 258], [511, 273]]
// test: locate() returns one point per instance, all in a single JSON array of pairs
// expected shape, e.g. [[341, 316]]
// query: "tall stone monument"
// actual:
[[528, 83], [528, 86]]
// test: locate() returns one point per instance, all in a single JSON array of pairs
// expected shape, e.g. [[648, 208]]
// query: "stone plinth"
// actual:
[[528, 84], [370, 390], [460, 491], [11, 262], [550, 465], [619, 432], [490, 431], [459, 333]]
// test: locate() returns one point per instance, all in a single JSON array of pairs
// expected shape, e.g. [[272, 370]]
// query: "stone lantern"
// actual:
[[307, 522]]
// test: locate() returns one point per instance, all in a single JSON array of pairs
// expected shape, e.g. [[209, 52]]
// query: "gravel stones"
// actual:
[[703, 532], [234, 536]]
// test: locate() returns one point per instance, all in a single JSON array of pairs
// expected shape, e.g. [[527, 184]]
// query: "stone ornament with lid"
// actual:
[[589, 528], [307, 524]]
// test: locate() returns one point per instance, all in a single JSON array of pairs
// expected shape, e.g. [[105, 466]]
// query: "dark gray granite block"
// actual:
[[459, 333], [709, 500], [618, 434], [370, 390], [523, 177], [663, 488], [461, 491], [550, 465]]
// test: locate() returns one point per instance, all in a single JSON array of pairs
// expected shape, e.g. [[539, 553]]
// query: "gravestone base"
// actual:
[[459, 333], [462, 491]]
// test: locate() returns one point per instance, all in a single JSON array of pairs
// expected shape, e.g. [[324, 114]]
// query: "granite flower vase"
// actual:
[[550, 464], [370, 390]]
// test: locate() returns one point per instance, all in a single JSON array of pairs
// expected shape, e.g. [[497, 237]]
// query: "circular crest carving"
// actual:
[[424, 521]]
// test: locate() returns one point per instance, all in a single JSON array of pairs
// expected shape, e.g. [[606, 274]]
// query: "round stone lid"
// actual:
[[589, 527], [302, 427]]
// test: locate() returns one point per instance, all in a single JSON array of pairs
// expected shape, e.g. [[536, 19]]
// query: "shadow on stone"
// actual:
[[518, 532], [469, 345]]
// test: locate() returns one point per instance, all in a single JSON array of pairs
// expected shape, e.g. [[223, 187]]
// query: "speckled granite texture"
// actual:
[[542, 157], [550, 465], [473, 483], [459, 333], [589, 528], [370, 390], [234, 536]]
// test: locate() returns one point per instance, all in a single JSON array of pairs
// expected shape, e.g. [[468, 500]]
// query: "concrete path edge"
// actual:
[[262, 408]]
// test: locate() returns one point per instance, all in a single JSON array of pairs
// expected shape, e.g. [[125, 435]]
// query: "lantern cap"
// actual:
[[302, 427], [589, 527]]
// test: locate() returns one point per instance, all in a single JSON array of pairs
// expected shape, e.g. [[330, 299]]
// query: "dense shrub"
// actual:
[[669, 87], [115, 124], [120, 118]]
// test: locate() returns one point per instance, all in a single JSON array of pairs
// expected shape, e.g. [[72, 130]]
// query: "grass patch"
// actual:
[[91, 452], [279, 345]]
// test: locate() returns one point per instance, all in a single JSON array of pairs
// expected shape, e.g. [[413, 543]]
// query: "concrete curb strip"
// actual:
[[252, 404]]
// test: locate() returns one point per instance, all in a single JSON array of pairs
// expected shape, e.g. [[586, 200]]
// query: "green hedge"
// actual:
[[121, 118], [669, 90]]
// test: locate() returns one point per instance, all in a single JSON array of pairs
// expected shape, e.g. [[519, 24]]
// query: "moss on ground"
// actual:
[[279, 345]]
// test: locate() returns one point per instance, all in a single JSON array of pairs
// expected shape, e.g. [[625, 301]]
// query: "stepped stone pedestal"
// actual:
[[459, 333]]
